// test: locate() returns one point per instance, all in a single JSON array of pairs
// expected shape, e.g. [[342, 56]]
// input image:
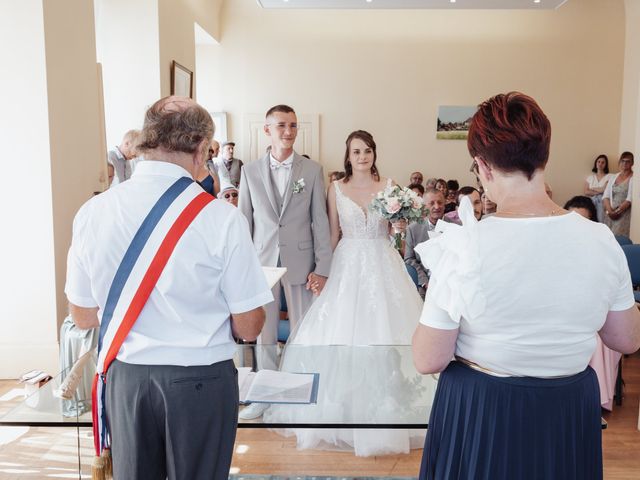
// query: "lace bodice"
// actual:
[[355, 222]]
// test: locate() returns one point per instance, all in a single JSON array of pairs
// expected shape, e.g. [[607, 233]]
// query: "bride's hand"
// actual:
[[399, 226], [316, 283]]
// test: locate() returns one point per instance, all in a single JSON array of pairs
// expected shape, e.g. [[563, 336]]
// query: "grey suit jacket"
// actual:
[[298, 233], [416, 233]]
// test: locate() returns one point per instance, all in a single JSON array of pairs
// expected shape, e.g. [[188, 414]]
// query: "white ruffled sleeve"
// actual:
[[454, 287]]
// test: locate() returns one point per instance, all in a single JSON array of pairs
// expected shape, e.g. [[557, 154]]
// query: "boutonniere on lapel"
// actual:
[[298, 186]]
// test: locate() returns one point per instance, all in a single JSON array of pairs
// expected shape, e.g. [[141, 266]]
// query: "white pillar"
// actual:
[[630, 112], [53, 155]]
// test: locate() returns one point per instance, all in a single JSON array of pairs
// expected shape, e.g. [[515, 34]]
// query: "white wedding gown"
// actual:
[[369, 299]]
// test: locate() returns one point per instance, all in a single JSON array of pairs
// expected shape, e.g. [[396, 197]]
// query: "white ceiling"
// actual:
[[414, 4]]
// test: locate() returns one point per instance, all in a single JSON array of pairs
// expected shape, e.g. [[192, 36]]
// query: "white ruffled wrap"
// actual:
[[454, 260]]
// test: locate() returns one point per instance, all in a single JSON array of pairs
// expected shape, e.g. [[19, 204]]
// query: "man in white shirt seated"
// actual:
[[419, 232], [172, 392]]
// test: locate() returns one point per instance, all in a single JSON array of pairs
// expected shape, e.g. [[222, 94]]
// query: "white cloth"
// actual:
[[213, 272], [369, 299], [608, 192], [281, 172], [528, 294], [593, 182]]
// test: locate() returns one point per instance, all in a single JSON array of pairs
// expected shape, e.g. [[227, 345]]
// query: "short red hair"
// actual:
[[511, 133]]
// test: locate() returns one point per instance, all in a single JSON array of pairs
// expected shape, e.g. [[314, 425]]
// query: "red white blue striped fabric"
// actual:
[[134, 281]]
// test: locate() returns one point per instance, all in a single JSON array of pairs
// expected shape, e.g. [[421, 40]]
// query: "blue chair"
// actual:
[[623, 240], [284, 328], [632, 252], [413, 273]]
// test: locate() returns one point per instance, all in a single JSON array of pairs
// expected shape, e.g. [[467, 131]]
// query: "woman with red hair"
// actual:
[[518, 300]]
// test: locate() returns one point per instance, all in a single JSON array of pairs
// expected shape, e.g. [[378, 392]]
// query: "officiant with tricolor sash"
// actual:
[[169, 274]]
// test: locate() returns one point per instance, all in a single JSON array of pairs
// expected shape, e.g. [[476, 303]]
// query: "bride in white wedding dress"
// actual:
[[368, 299]]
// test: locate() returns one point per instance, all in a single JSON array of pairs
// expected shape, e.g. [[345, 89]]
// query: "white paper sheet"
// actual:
[[270, 386], [273, 274]]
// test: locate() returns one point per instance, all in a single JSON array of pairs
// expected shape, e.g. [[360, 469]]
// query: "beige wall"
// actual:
[[128, 47], [177, 38], [387, 72], [630, 115]]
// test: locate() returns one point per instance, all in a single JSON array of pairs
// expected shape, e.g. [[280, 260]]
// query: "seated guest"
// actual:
[[416, 178], [604, 360], [488, 206], [451, 198], [515, 300], [596, 183], [229, 194], [208, 179], [476, 202], [417, 187], [583, 206], [335, 176], [419, 232]]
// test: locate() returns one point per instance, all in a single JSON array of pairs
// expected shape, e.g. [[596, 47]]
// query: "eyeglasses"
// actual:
[[283, 126], [474, 168], [229, 195]]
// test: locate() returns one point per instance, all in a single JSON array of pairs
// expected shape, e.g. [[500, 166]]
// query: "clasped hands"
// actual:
[[315, 283], [614, 214]]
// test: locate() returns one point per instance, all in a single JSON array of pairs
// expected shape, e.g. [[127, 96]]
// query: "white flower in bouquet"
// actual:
[[399, 203]]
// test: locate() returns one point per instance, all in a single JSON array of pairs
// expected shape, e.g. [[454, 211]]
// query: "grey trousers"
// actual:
[[172, 422], [299, 299]]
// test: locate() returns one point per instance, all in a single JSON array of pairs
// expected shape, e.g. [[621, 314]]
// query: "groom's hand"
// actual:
[[315, 283]]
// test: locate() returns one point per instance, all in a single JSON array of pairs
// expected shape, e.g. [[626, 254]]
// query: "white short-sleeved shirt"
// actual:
[[608, 192], [593, 182], [213, 271], [545, 285]]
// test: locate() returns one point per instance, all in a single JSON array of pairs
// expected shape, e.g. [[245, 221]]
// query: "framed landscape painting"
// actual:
[[453, 121]]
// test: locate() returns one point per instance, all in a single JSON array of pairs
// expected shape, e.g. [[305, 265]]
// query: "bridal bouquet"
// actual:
[[398, 203]]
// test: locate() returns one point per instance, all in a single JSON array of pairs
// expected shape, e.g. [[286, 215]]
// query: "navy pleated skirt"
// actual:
[[516, 428]]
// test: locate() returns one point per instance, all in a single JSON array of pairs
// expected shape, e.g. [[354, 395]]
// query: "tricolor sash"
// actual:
[[135, 279]]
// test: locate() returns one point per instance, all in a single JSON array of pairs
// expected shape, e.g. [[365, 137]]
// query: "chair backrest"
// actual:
[[623, 240], [413, 273], [632, 252]]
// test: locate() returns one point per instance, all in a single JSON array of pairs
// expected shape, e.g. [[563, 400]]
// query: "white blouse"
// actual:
[[528, 294], [608, 192], [593, 182]]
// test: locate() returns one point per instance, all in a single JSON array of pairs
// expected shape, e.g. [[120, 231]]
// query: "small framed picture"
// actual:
[[181, 80], [453, 121]]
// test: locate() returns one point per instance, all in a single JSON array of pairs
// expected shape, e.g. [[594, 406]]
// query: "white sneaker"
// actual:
[[253, 411]]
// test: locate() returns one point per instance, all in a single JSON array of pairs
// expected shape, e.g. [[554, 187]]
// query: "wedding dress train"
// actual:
[[368, 300]]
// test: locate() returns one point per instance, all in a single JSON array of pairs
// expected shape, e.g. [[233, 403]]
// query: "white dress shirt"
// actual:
[[281, 172], [213, 271]]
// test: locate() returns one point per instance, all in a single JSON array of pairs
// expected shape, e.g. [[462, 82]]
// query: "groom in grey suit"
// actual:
[[283, 197]]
